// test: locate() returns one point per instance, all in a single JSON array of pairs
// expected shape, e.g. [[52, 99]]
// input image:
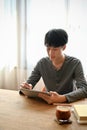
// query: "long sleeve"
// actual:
[[80, 83]]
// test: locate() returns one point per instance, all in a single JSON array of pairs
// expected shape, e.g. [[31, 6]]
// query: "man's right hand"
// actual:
[[26, 85]]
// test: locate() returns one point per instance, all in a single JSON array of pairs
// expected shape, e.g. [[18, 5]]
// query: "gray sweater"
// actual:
[[69, 80]]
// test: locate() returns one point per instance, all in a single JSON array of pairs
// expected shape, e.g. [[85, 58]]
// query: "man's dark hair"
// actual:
[[56, 38]]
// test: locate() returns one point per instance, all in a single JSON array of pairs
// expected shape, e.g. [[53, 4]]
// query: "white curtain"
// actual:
[[77, 29], [43, 15], [8, 43], [23, 24], [12, 43]]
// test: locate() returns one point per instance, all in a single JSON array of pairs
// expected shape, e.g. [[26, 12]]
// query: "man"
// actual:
[[60, 72]]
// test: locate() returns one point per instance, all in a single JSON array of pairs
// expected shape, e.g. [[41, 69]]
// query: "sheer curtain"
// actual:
[[77, 29], [12, 43], [8, 43], [67, 14], [23, 24], [42, 15]]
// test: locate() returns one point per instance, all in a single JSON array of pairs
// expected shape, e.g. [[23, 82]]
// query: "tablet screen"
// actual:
[[32, 93]]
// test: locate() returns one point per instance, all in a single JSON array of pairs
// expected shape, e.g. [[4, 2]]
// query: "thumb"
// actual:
[[53, 93]]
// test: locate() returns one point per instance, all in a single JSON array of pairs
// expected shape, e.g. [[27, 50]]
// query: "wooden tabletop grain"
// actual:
[[18, 112]]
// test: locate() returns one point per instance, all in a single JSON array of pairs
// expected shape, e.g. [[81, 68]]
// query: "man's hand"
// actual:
[[53, 98], [26, 85]]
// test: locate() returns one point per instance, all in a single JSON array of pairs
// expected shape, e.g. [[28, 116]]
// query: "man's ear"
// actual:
[[64, 47]]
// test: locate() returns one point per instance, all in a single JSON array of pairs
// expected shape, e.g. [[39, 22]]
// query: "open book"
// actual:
[[32, 93], [80, 111]]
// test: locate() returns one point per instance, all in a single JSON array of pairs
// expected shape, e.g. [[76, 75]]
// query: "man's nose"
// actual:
[[51, 51]]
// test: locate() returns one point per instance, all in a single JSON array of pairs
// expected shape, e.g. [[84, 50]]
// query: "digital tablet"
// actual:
[[32, 93]]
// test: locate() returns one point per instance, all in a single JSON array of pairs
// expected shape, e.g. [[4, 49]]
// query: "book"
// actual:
[[32, 93], [80, 111]]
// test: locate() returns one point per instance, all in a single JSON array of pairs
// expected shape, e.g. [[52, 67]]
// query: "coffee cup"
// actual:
[[63, 112]]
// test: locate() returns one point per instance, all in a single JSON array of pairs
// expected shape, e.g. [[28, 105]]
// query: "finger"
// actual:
[[45, 97], [25, 85], [53, 93]]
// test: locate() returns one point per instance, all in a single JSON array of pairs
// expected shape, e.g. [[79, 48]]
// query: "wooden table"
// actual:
[[20, 113]]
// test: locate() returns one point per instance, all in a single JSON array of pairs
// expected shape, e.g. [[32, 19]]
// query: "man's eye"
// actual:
[[55, 49], [48, 48]]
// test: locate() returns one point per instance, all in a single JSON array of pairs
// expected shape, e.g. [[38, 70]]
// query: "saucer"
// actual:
[[61, 122]]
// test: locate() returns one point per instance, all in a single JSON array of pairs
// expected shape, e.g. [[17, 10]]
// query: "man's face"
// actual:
[[55, 53]]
